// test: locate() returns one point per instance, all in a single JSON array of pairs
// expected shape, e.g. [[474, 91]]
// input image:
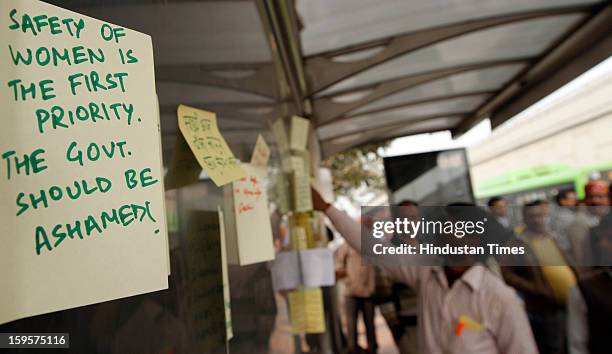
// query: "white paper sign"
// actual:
[[82, 214], [299, 133], [306, 268], [286, 271], [247, 219], [318, 268]]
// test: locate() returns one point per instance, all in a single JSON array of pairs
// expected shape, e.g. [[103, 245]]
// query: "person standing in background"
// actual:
[[360, 285], [499, 209], [566, 198], [542, 277], [597, 201], [590, 303], [562, 218]]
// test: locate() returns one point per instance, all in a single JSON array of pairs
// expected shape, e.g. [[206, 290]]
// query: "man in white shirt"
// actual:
[[460, 309]]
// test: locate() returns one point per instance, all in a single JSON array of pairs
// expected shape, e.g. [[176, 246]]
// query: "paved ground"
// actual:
[[282, 340]]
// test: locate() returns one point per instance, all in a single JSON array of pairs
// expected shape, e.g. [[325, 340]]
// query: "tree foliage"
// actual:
[[358, 168]]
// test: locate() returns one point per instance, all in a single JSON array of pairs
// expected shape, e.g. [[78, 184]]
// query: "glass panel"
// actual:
[[477, 80], [406, 114], [166, 321], [329, 25], [516, 40]]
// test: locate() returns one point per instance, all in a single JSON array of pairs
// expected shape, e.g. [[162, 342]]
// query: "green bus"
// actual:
[[541, 182]]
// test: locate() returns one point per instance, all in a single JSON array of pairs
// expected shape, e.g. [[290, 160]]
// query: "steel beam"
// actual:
[[326, 110], [397, 125], [280, 30], [323, 71], [580, 50], [329, 147], [418, 102]]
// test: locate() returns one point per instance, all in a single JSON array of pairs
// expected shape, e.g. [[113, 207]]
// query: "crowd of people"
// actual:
[[555, 298]]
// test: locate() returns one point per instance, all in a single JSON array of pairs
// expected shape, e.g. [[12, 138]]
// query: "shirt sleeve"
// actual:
[[351, 231], [515, 332], [577, 327]]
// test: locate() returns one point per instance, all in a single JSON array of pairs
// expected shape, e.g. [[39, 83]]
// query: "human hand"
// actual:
[[318, 203]]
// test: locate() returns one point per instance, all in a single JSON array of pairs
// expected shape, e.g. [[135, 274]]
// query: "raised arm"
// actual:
[[351, 232]]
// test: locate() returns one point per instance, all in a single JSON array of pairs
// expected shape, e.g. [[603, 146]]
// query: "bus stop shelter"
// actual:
[[361, 71]]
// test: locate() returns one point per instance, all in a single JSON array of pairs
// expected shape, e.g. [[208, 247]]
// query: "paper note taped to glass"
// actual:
[[202, 134], [82, 220], [247, 219], [306, 310], [307, 268]]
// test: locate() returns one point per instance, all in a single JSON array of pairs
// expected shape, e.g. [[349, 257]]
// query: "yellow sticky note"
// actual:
[[299, 133], [315, 317], [306, 310], [261, 152], [298, 238], [296, 163], [297, 311], [304, 221], [208, 145], [280, 134], [282, 196], [302, 196]]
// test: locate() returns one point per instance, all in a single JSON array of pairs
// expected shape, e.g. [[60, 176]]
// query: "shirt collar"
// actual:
[[472, 277]]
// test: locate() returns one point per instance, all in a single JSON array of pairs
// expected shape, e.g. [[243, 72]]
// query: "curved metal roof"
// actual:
[[362, 71]]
